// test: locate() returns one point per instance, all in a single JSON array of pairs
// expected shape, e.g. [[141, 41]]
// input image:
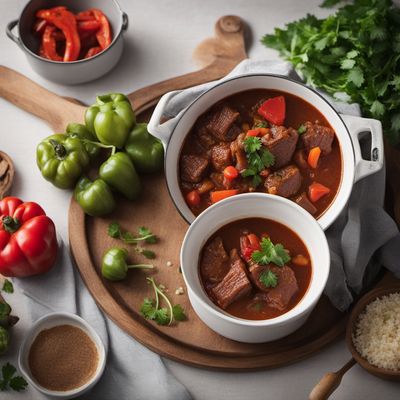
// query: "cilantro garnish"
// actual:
[[302, 129], [353, 55], [9, 381], [258, 158], [268, 278], [270, 253], [151, 309]]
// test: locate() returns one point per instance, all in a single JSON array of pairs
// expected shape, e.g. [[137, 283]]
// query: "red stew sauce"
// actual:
[[298, 154], [255, 290]]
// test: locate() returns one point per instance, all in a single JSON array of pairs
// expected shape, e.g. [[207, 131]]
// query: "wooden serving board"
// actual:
[[190, 342]]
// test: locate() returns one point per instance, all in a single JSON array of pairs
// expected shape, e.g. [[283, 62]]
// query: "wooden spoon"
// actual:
[[225, 51], [330, 381]]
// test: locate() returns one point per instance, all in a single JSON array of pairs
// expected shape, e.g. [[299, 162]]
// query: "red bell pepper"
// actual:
[[28, 241], [49, 44], [93, 51], [274, 110], [103, 35], [66, 22]]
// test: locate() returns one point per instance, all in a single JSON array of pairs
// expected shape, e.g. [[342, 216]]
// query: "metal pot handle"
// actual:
[[125, 21], [163, 130], [357, 125], [9, 28]]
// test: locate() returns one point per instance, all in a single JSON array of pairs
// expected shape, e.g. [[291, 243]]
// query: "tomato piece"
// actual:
[[253, 132], [254, 241], [316, 191], [193, 198], [274, 110], [222, 194], [231, 172], [313, 157]]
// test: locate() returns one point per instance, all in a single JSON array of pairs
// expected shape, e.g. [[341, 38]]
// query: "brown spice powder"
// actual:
[[63, 358]]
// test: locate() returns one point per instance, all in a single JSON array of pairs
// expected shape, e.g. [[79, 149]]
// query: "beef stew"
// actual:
[[265, 141], [255, 268]]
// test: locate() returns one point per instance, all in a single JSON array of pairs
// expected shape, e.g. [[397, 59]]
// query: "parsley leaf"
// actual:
[[5, 310], [147, 235], [8, 286], [114, 230], [271, 253], [267, 158], [353, 55], [268, 278], [151, 309], [17, 383], [302, 129], [252, 144]]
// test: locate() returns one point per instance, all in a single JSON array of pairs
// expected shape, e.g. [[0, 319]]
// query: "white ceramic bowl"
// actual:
[[50, 321], [347, 128], [70, 73], [261, 206]]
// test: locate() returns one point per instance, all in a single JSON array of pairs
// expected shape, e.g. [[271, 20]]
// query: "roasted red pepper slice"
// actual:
[[49, 44], [274, 110], [103, 35], [28, 241], [39, 27], [93, 51], [66, 22], [90, 25]]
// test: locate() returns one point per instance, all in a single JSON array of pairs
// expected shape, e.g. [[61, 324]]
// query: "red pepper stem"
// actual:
[[143, 266], [10, 224]]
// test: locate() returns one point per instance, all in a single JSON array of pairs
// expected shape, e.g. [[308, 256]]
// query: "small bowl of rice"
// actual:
[[373, 332]]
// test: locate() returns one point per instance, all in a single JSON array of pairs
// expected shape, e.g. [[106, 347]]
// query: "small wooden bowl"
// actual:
[[357, 310]]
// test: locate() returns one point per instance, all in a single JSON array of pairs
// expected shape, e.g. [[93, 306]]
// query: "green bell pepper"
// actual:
[[111, 122], [62, 159], [81, 132], [119, 172], [111, 98], [95, 198], [114, 266], [145, 150]]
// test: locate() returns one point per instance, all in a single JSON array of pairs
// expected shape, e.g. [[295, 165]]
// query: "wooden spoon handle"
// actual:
[[330, 382], [31, 97], [227, 51]]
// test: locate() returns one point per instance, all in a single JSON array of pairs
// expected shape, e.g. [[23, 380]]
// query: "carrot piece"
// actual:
[[300, 260], [253, 132], [231, 172], [193, 198], [316, 191], [313, 157], [263, 131], [222, 194]]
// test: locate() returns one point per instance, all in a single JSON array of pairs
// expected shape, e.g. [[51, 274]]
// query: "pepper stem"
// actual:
[[143, 266], [59, 149], [10, 224], [103, 146]]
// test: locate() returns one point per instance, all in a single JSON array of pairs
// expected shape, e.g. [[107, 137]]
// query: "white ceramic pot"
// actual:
[[261, 206], [50, 321], [347, 128], [70, 73]]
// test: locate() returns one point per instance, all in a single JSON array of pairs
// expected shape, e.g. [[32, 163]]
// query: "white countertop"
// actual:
[[159, 43]]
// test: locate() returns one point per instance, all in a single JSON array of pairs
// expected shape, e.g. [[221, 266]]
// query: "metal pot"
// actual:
[[70, 73]]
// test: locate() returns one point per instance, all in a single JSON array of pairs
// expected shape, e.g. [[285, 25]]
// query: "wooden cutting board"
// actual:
[[191, 341]]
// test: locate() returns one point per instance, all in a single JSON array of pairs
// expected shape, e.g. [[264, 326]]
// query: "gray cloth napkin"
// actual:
[[364, 237], [132, 371]]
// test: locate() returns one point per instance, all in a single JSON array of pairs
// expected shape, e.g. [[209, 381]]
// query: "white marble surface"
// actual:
[[159, 43]]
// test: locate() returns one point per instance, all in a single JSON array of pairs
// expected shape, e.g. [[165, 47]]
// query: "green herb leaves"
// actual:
[[8, 286], [258, 157], [354, 55], [270, 253], [17, 383], [151, 309], [268, 278]]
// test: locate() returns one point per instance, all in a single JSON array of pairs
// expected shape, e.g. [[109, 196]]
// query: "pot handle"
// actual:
[[357, 125], [160, 130], [9, 28], [125, 21]]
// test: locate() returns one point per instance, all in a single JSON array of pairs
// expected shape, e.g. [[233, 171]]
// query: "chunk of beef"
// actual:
[[205, 137], [255, 271], [300, 159], [304, 202], [221, 156], [281, 142], [238, 153], [279, 297], [285, 182], [222, 124], [215, 261], [318, 135], [205, 186], [235, 284], [193, 168], [217, 179]]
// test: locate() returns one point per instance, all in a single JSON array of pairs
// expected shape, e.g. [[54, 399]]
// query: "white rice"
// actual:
[[377, 333]]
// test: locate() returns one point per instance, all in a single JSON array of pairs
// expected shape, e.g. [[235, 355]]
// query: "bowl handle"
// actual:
[[356, 126], [163, 130], [9, 28], [125, 21]]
